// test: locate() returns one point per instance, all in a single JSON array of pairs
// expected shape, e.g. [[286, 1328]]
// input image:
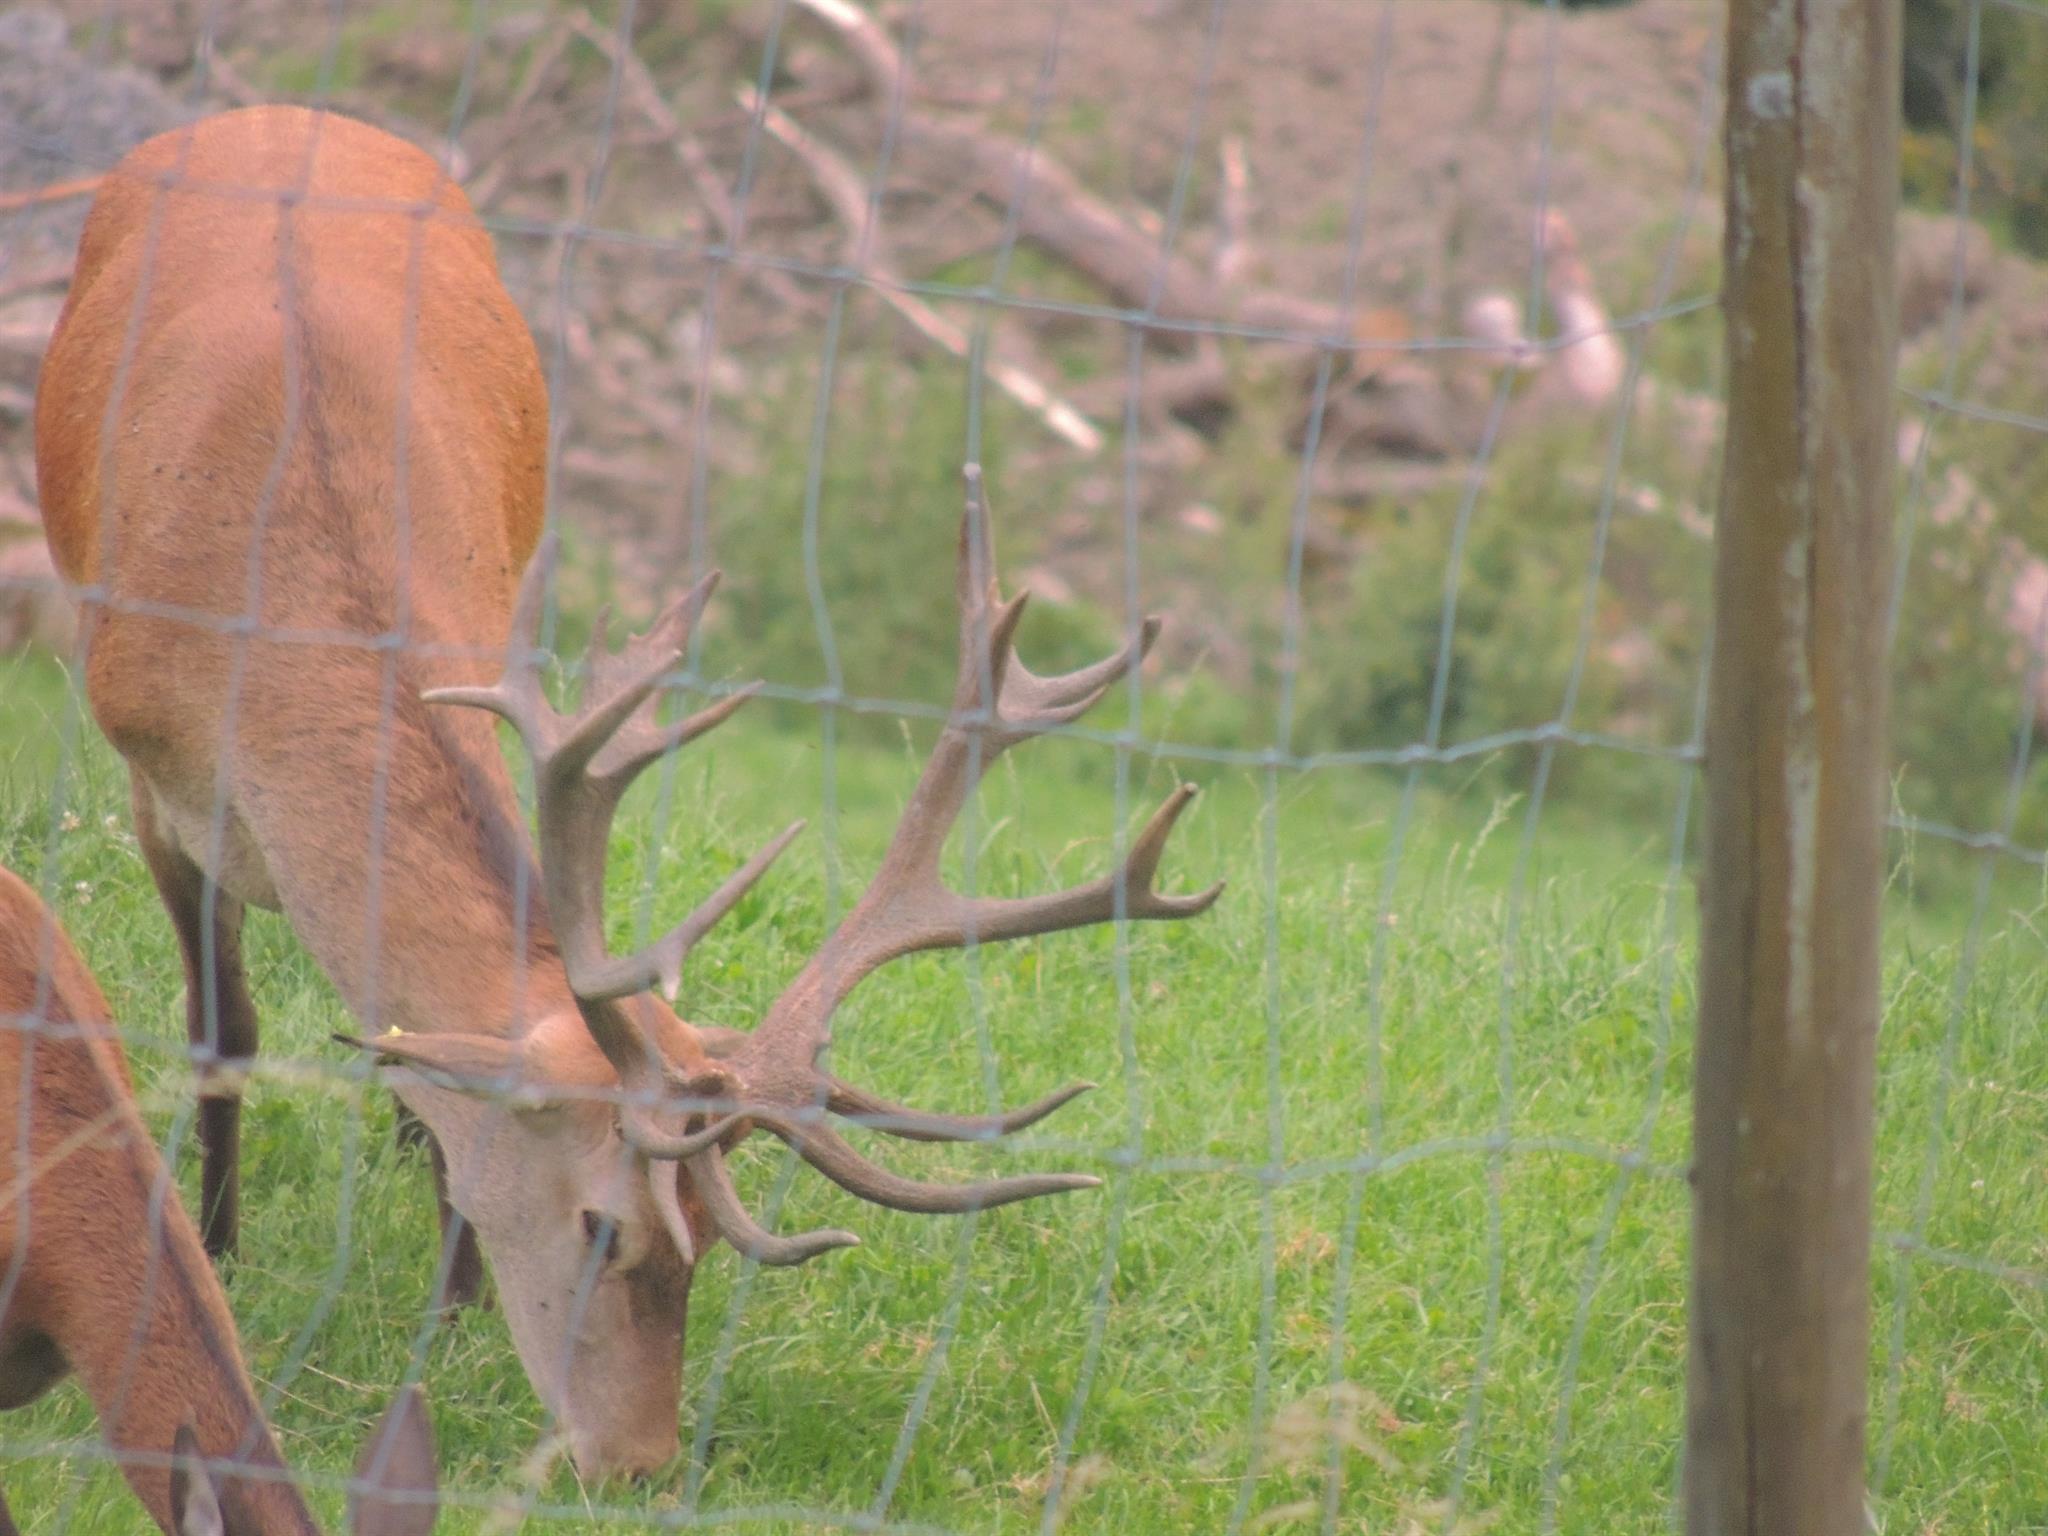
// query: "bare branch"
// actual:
[[55, 192], [1233, 214], [689, 153], [843, 188], [1060, 213]]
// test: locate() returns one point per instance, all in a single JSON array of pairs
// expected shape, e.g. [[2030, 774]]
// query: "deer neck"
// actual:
[[125, 1292], [454, 932]]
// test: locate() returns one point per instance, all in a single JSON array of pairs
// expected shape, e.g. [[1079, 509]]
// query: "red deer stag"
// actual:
[[290, 439], [104, 1275]]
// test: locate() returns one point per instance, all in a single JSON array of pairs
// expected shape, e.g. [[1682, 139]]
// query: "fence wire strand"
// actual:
[[1373, 1151]]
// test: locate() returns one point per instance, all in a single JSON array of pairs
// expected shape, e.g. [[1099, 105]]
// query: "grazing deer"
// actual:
[[290, 440], [102, 1273]]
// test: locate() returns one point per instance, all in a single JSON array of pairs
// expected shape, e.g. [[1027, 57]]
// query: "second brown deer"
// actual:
[[102, 1275]]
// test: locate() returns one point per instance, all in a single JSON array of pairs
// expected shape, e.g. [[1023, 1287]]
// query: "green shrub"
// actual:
[[1958, 685], [2010, 142], [1521, 606]]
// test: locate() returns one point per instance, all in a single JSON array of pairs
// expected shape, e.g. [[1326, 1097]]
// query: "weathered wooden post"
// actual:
[[1794, 856]]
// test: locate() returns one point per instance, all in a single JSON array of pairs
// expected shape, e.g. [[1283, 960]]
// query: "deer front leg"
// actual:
[[220, 1020], [462, 1262]]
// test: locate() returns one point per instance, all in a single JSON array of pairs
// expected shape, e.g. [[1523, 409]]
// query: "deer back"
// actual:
[[269, 295], [290, 439]]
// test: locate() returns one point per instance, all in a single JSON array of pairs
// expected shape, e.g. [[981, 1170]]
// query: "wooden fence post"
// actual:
[[1794, 830]]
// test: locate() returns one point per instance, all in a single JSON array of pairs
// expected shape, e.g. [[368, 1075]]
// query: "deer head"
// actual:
[[645, 1106]]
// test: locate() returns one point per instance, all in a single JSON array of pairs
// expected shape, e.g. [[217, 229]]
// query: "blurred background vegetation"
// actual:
[[1486, 516], [1421, 461], [2008, 119]]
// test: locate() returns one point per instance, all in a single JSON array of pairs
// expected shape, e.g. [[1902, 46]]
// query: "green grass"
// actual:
[[1183, 1318]]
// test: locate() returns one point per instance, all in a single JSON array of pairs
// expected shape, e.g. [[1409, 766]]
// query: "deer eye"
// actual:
[[596, 1227]]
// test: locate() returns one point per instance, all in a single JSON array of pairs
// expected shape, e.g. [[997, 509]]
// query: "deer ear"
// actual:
[[481, 1064], [195, 1503], [395, 1483]]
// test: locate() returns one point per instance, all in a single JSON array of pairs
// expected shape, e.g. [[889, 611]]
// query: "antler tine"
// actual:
[[580, 778], [668, 635], [1036, 704], [642, 1129], [516, 696], [908, 907], [617, 689], [878, 1114], [832, 1155], [976, 574], [1026, 703], [987, 919], [997, 700], [1141, 865], [660, 964], [713, 1181], [623, 758], [583, 764]]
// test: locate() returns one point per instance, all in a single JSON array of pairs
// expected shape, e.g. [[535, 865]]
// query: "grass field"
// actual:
[[1422, 1135]]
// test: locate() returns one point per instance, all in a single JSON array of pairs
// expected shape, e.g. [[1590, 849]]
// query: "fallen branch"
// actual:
[[689, 152], [667, 422], [1400, 408], [1591, 362], [593, 465], [494, 164], [1055, 210], [1194, 388], [871, 44], [55, 192], [844, 189], [223, 79], [1233, 214], [25, 342]]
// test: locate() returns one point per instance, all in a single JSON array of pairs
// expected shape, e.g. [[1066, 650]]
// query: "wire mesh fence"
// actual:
[[1376, 343]]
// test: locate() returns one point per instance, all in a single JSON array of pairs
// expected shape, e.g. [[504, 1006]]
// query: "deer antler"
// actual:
[[732, 1082], [582, 766], [997, 703]]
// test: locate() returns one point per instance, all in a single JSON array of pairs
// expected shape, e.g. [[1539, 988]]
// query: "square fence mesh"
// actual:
[[1373, 342]]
